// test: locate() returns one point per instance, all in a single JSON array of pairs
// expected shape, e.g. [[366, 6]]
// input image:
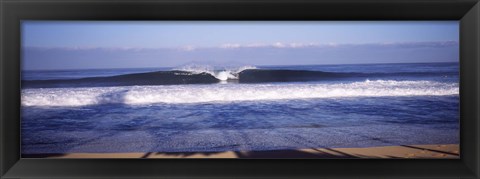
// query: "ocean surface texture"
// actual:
[[203, 109]]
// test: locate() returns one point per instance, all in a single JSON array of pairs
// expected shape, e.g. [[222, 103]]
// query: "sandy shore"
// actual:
[[447, 151]]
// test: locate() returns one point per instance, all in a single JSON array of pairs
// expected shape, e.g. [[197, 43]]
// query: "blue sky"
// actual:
[[120, 44]]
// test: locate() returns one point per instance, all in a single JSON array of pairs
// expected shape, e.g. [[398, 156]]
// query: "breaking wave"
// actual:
[[141, 95], [227, 73]]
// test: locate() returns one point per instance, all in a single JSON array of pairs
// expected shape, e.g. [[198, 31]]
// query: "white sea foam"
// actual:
[[133, 95], [226, 73]]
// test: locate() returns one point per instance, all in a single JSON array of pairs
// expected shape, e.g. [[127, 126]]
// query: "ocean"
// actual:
[[212, 109]]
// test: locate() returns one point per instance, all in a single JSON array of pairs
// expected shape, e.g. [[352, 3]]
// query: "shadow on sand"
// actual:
[[273, 154], [285, 154]]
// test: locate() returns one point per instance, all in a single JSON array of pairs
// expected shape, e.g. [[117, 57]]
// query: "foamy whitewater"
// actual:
[[133, 95], [206, 109], [222, 74]]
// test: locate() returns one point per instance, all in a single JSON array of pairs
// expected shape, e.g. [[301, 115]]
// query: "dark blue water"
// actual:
[[414, 104]]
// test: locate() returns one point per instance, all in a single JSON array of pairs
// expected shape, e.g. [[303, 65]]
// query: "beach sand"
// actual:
[[446, 151]]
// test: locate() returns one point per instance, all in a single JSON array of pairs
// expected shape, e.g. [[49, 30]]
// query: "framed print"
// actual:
[[227, 89]]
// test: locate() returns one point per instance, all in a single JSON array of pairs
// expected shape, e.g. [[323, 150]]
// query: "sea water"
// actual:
[[251, 108]]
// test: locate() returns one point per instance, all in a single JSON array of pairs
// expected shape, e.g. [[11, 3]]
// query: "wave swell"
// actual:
[[209, 76], [141, 95]]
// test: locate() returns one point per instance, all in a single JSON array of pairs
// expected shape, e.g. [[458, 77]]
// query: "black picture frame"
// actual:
[[14, 11]]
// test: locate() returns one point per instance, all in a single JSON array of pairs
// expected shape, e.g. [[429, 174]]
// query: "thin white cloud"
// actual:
[[332, 45], [231, 46], [187, 48], [273, 45]]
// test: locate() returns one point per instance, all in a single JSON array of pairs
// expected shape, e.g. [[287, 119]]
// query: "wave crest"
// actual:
[[222, 74]]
